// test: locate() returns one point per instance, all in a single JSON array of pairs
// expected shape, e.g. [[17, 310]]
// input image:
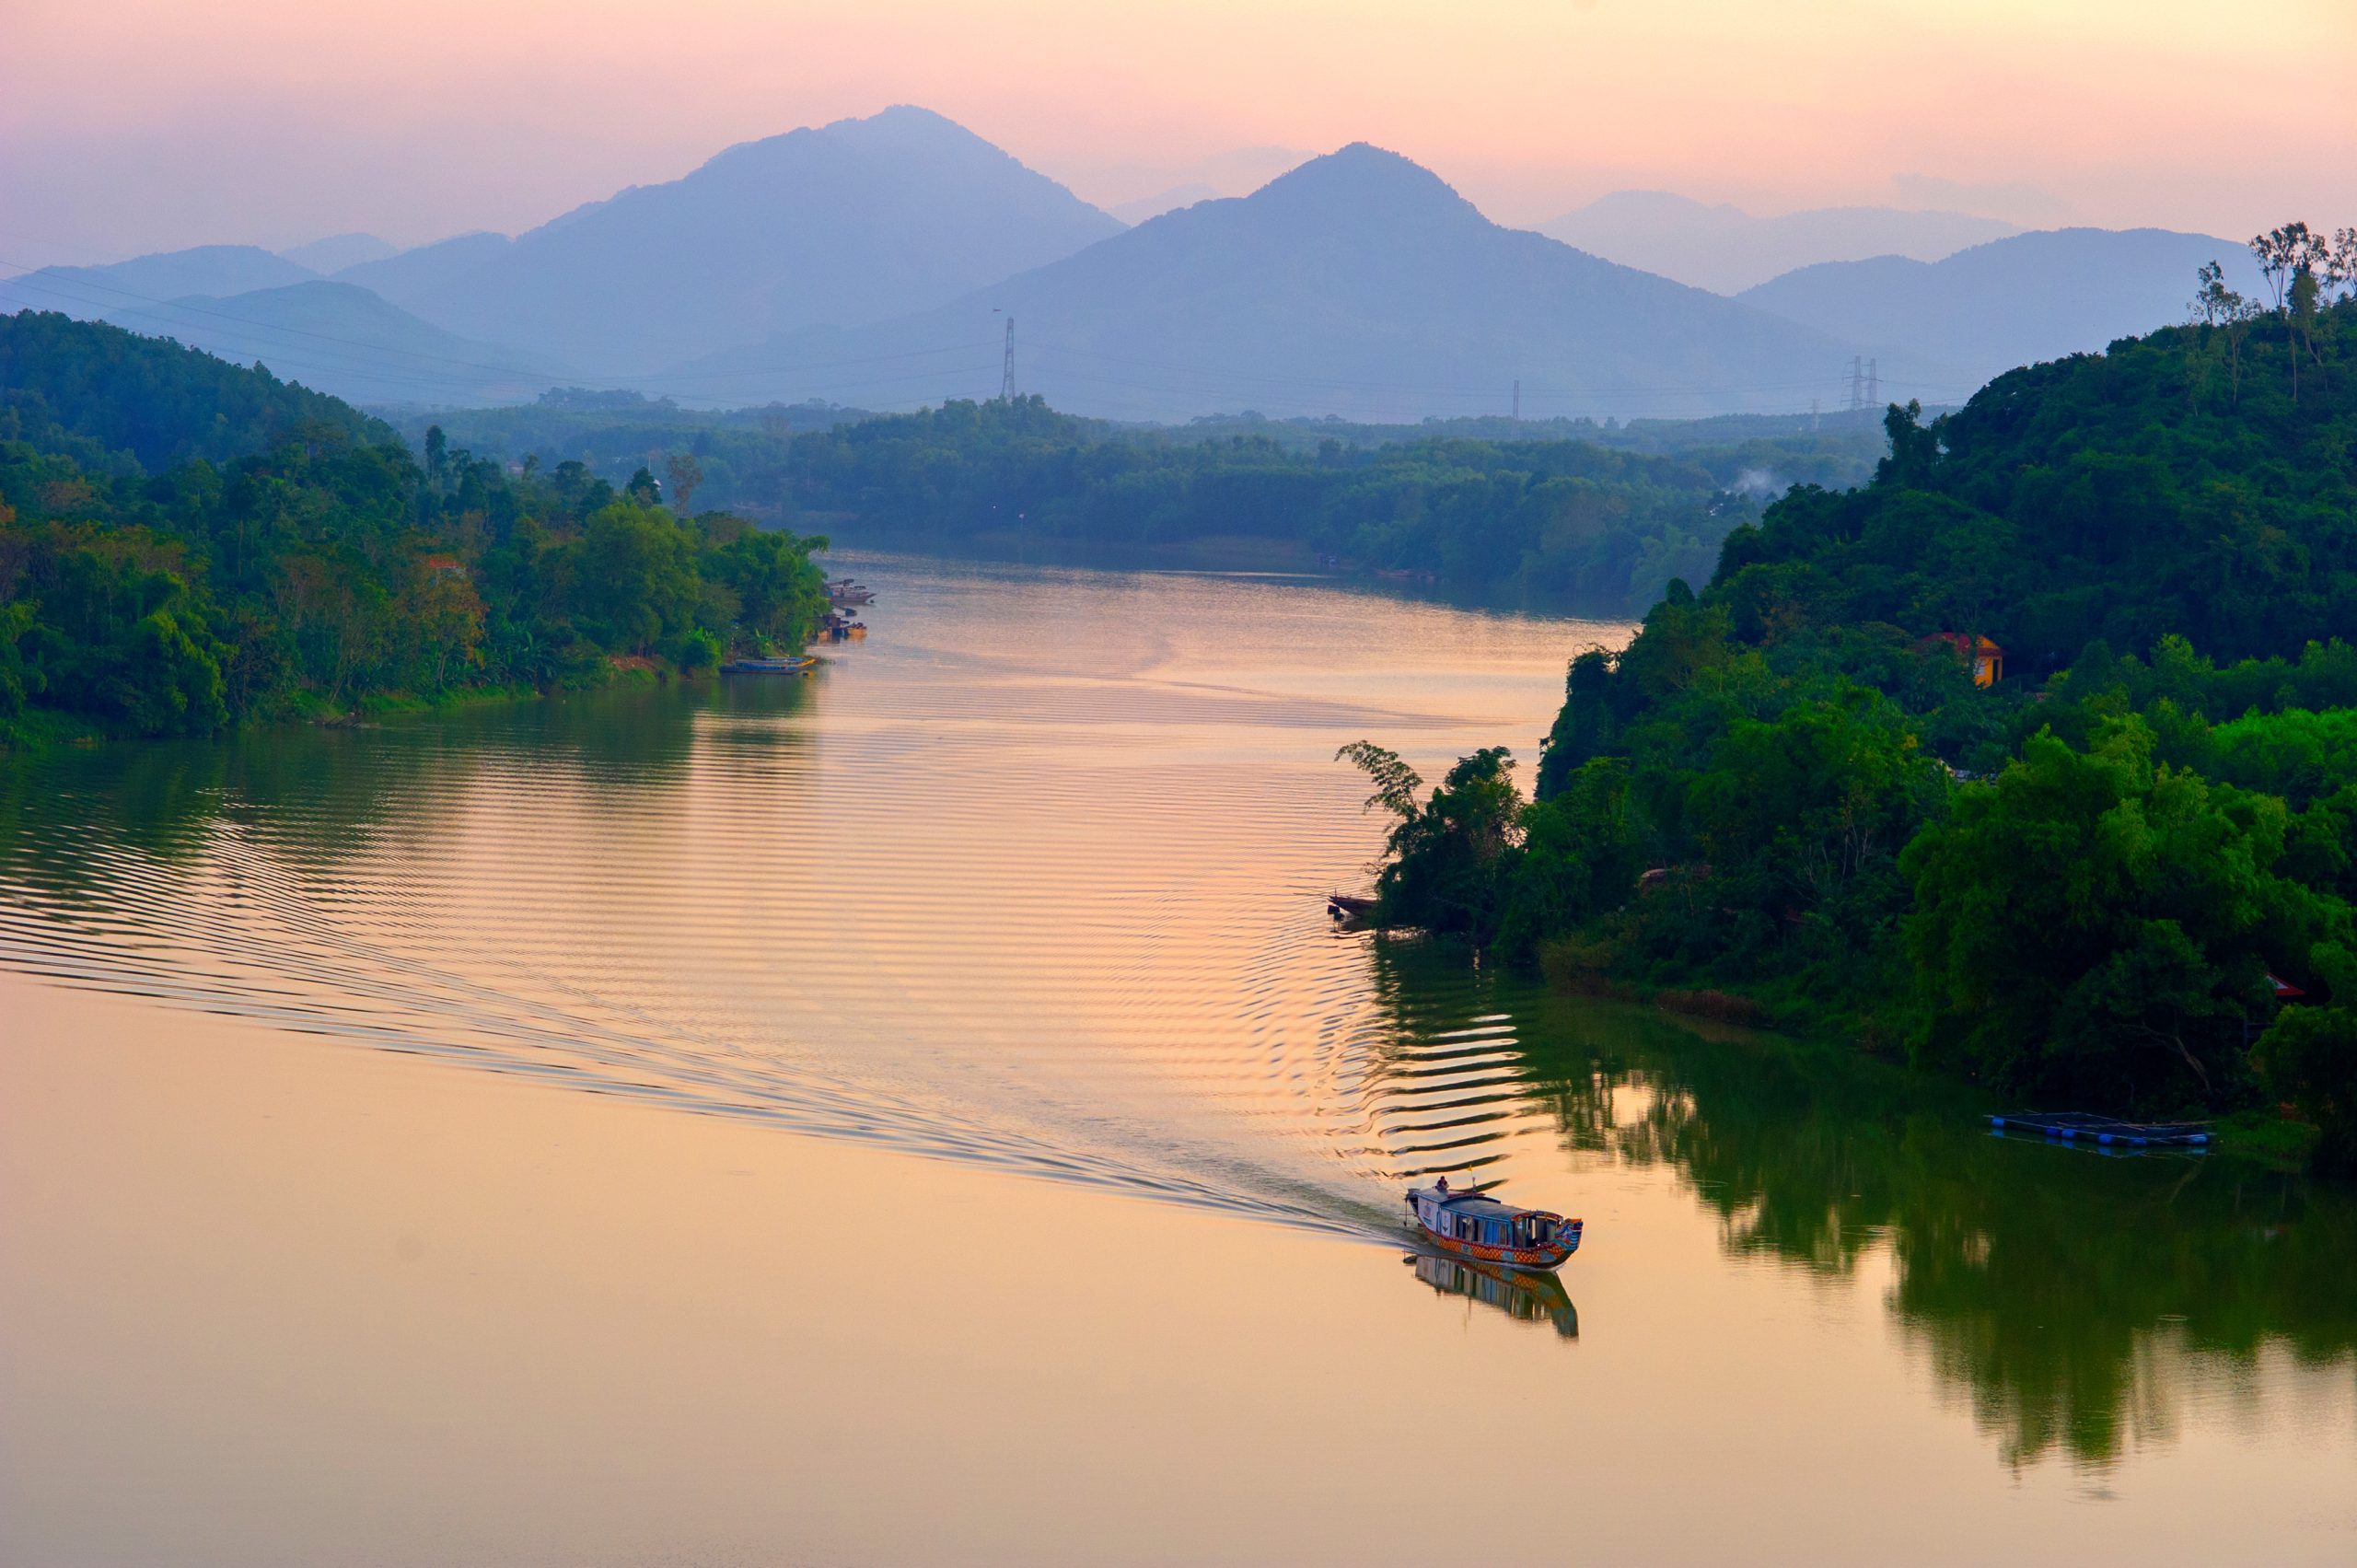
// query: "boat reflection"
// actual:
[[1524, 1297]]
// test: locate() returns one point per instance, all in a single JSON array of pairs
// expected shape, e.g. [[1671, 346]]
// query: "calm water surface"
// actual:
[[490, 1139]]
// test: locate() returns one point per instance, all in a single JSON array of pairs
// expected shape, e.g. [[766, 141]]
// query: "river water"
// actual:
[[921, 1114]]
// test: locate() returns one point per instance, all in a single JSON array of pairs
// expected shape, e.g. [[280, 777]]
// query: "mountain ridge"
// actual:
[[1724, 248], [2023, 299], [1360, 283], [856, 220]]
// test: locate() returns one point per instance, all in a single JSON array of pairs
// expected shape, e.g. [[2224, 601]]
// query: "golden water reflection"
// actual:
[[1030, 884]]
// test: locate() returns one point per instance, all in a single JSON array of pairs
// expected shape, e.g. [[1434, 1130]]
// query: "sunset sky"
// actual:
[[131, 125]]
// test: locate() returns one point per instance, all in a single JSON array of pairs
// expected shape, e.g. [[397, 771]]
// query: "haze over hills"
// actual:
[[2014, 301], [340, 338], [408, 276], [1726, 249], [875, 261], [854, 222], [338, 251], [1161, 202], [1358, 285], [86, 291]]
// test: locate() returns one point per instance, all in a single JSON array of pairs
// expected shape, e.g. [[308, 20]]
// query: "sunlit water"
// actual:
[[1032, 882]]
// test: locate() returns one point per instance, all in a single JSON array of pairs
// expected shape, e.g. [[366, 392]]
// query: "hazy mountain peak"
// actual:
[[168, 274], [338, 251], [904, 120], [853, 221], [1359, 282], [1660, 203], [1725, 249], [2017, 300], [1362, 180]]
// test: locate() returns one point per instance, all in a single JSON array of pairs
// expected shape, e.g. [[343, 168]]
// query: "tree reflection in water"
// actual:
[[2065, 1294]]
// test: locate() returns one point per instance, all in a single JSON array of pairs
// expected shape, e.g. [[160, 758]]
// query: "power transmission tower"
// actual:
[[1857, 382], [1813, 405], [1873, 383], [1517, 400], [1006, 376]]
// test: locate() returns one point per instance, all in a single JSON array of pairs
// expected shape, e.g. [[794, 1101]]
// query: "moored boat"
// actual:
[[798, 664], [1474, 1224]]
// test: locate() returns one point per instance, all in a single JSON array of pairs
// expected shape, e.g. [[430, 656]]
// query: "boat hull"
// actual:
[[1536, 1260]]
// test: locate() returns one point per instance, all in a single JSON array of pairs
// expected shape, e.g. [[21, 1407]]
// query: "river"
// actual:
[[921, 1114]]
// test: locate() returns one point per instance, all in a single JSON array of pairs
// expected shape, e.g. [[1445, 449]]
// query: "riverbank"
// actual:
[[2272, 1140], [40, 729], [443, 1133]]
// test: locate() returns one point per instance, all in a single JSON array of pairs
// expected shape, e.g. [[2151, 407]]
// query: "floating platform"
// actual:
[[2071, 1126]]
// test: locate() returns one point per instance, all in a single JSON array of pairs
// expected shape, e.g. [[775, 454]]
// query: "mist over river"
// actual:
[[921, 1114]]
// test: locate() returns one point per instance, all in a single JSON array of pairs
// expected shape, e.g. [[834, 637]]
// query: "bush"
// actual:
[[2310, 1059]]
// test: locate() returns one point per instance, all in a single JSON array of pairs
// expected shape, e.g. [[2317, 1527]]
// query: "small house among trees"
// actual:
[[1986, 659]]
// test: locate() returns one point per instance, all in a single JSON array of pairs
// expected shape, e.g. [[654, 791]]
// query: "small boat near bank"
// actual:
[[1474, 1224], [2104, 1132], [795, 665]]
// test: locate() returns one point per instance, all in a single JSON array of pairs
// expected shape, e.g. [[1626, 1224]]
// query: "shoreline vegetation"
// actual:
[[187, 545], [2032, 762], [1597, 517]]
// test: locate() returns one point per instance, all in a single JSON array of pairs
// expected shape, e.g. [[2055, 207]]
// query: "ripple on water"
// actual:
[[1033, 877]]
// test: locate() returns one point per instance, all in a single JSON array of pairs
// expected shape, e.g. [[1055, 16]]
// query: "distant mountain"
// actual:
[[338, 251], [340, 339], [858, 221], [1726, 249], [1358, 285], [1163, 202], [86, 291], [408, 276], [2016, 301]]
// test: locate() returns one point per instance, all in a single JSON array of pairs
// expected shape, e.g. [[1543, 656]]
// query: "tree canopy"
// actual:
[[302, 558], [2094, 880]]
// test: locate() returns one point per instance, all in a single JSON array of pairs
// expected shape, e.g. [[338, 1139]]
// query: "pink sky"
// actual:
[[130, 125]]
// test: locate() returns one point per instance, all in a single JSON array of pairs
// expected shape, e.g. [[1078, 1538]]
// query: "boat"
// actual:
[[2104, 1131], [1471, 1224], [843, 593], [795, 665]]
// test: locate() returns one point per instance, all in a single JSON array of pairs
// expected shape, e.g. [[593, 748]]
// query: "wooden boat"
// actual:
[[1473, 1225], [796, 666]]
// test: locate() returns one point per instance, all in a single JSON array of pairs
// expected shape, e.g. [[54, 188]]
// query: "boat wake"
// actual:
[[946, 898]]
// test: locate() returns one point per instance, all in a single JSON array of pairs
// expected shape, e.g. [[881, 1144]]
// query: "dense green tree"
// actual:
[[316, 563], [2095, 925], [2310, 1057], [2075, 881]]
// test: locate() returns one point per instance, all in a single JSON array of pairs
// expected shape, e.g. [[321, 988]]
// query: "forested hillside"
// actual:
[[1570, 521], [184, 543], [154, 401], [2084, 881]]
